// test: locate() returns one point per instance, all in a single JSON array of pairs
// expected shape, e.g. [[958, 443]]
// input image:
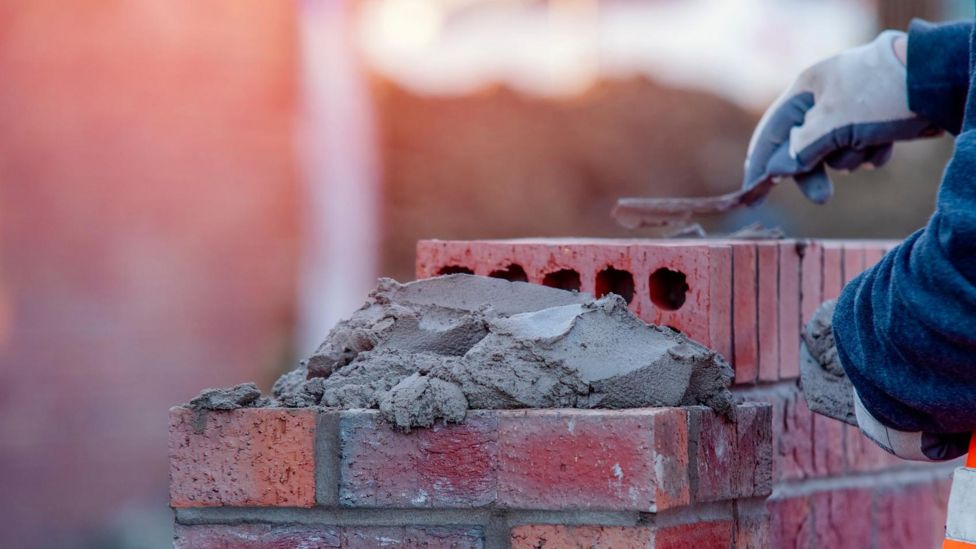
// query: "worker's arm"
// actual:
[[938, 71], [848, 110], [905, 330]]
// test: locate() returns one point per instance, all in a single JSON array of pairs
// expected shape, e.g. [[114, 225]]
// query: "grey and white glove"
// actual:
[[843, 112]]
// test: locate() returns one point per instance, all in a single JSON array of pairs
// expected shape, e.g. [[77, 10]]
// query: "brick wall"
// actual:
[[779, 476], [660, 477], [748, 299]]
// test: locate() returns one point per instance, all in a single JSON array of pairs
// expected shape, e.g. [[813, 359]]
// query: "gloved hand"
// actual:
[[829, 392], [843, 112]]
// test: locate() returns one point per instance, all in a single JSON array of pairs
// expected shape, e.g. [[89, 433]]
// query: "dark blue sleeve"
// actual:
[[906, 329], [938, 71]]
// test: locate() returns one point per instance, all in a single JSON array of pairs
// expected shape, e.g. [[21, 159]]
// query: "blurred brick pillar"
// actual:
[[147, 239]]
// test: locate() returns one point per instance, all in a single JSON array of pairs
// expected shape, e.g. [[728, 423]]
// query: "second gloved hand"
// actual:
[[843, 112]]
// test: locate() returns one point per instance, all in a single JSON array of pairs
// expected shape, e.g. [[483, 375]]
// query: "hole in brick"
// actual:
[[514, 273], [455, 269], [615, 281], [668, 289], [564, 279]]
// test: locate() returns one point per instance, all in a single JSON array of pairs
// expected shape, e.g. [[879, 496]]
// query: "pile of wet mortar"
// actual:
[[432, 349]]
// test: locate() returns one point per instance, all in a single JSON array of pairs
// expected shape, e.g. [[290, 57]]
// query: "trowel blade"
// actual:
[[633, 213]]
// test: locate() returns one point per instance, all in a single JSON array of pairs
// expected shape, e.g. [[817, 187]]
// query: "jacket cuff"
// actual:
[[938, 72]]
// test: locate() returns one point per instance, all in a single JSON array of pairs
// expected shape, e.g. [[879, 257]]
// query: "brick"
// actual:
[[789, 310], [247, 457], [841, 518], [745, 323], [266, 536], [811, 280], [791, 522], [904, 516], [863, 455], [533, 536], [940, 496], [429, 537], [712, 455], [754, 450], [444, 466], [832, 273], [792, 433], [828, 446], [435, 255], [751, 525], [768, 310], [712, 534], [853, 261], [626, 460], [874, 251], [704, 315], [256, 536], [728, 459]]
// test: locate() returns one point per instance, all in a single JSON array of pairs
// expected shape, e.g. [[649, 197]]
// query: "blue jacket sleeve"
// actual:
[[938, 71], [906, 329]]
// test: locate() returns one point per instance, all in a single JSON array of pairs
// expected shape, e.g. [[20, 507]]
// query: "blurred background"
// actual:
[[191, 193]]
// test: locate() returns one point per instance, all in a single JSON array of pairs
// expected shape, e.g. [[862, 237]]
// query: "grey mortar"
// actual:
[[430, 350]]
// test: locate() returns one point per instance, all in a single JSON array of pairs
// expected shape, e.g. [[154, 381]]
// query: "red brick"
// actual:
[[256, 536], [791, 522], [554, 536], [811, 274], [632, 460], [730, 459], [751, 525], [833, 270], [706, 314], [905, 517], [863, 455], [792, 435], [444, 466], [873, 252], [853, 260], [828, 445], [841, 518], [434, 255], [247, 457], [940, 497], [768, 310], [754, 450], [429, 537], [744, 313], [713, 458], [789, 310], [713, 534]]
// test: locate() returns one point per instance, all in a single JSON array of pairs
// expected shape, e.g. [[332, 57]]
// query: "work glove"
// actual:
[[843, 112], [829, 392]]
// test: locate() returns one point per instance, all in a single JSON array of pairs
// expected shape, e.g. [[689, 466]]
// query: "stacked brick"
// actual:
[[661, 477], [747, 299]]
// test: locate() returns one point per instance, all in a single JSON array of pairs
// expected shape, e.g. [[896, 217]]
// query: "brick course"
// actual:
[[666, 477]]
